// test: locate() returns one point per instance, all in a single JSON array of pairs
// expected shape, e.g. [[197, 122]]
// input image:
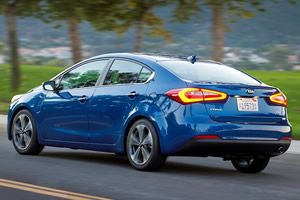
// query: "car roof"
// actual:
[[151, 57]]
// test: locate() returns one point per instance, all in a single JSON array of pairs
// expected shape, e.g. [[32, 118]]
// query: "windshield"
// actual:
[[208, 72]]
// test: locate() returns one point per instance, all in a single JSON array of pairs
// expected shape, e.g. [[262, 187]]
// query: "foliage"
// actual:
[[2, 48], [126, 15], [57, 10], [278, 58]]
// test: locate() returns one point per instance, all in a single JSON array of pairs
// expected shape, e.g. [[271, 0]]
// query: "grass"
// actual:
[[289, 84], [32, 76]]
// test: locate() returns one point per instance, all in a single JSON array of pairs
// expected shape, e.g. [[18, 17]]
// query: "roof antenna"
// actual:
[[192, 59]]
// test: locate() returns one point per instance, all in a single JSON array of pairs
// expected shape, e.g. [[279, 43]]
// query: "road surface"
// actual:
[[60, 173]]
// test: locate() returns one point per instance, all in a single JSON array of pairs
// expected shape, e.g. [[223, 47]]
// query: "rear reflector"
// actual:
[[278, 98], [207, 137], [286, 138], [195, 95]]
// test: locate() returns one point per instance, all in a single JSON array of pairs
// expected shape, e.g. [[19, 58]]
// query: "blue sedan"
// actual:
[[149, 107]]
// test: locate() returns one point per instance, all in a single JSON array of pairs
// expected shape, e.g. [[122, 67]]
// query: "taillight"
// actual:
[[195, 95], [278, 98]]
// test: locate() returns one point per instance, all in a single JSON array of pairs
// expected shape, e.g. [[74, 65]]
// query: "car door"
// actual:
[[64, 113], [123, 88]]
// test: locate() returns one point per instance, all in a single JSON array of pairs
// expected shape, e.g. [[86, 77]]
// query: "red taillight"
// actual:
[[278, 98], [286, 138], [207, 137], [194, 95]]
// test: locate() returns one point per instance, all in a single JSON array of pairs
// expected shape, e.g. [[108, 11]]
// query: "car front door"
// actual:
[[123, 88], [64, 113]]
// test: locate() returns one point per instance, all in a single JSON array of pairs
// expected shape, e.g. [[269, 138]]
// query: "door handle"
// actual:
[[83, 99], [132, 94]]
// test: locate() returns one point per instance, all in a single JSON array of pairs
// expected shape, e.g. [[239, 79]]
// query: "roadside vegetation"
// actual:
[[32, 76]]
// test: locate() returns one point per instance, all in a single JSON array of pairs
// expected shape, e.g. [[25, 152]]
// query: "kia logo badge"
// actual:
[[250, 91]]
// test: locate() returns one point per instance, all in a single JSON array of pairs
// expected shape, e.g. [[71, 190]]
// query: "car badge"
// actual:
[[250, 91]]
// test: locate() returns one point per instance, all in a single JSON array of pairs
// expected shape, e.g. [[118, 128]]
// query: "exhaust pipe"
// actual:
[[280, 150]]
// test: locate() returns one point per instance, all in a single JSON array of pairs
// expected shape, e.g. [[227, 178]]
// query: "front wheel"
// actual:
[[254, 165], [24, 135], [142, 145]]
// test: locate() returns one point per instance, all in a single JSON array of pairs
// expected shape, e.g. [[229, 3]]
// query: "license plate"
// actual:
[[247, 104]]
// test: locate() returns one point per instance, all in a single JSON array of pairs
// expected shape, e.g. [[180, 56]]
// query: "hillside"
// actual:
[[278, 25]]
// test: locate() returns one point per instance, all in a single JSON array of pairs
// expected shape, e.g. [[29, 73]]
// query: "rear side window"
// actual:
[[123, 72], [144, 75], [208, 72]]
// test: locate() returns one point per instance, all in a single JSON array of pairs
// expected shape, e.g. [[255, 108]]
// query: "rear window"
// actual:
[[208, 72]]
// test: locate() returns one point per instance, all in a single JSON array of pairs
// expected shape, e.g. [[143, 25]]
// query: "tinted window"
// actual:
[[208, 72], [144, 75], [122, 72], [83, 76]]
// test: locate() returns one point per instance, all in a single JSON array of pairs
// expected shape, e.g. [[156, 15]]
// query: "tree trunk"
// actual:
[[10, 11], [218, 32], [139, 35], [75, 40], [139, 38]]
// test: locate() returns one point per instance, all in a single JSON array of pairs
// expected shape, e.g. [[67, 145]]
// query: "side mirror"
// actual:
[[49, 85]]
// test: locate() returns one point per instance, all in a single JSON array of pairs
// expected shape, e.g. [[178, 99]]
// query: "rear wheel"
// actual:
[[142, 145], [254, 165], [24, 135]]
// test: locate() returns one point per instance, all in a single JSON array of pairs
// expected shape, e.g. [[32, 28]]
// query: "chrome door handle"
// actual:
[[83, 99], [132, 94]]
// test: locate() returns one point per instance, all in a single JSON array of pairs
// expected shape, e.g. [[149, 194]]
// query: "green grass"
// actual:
[[288, 82], [31, 76]]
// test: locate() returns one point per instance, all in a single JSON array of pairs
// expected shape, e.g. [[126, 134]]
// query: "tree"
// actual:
[[279, 58], [127, 14], [69, 11], [11, 9], [221, 10], [141, 15]]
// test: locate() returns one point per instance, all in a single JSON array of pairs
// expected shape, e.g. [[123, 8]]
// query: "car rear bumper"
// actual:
[[233, 148]]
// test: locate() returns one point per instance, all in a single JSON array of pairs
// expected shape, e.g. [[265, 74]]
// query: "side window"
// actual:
[[83, 76], [122, 72], [144, 75]]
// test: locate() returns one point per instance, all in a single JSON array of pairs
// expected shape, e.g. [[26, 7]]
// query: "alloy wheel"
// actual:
[[140, 144], [22, 132]]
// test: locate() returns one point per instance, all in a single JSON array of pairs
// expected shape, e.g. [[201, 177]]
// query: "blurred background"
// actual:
[[40, 38]]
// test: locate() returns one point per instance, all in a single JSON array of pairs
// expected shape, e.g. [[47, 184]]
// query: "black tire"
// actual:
[[250, 166], [145, 162], [17, 132]]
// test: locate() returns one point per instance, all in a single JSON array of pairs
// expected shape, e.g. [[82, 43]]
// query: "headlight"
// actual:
[[15, 98]]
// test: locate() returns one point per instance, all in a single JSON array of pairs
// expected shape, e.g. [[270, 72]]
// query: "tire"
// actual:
[[24, 134], [250, 166], [142, 147]]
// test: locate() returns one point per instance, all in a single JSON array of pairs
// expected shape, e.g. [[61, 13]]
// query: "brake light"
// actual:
[[278, 98], [195, 95]]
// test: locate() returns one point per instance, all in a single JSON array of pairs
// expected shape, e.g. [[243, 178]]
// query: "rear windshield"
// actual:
[[208, 72]]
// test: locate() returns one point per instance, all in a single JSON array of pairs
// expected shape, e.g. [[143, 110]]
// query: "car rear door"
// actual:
[[123, 88], [64, 113]]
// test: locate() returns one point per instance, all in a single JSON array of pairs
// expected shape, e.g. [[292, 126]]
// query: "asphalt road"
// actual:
[[110, 176]]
